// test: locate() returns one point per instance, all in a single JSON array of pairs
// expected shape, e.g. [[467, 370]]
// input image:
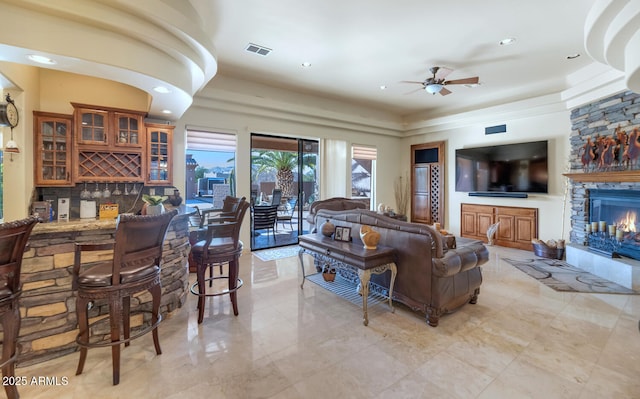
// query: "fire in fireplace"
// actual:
[[613, 227]]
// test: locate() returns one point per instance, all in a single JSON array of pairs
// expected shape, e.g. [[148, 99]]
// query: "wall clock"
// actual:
[[9, 113]]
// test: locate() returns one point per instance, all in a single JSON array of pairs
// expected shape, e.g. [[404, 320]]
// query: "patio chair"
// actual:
[[288, 214], [264, 218], [276, 196]]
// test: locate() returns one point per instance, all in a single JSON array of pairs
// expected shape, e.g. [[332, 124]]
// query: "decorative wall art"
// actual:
[[620, 151]]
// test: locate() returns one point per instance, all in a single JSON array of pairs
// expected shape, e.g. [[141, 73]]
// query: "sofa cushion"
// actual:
[[333, 204]]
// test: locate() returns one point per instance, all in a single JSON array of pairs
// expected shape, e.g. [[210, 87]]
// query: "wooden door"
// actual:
[[427, 183]]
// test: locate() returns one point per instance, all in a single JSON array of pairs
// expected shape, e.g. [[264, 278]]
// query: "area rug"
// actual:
[[346, 289], [277, 253], [561, 276]]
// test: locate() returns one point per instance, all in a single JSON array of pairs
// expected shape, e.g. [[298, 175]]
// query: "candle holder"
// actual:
[[604, 243]]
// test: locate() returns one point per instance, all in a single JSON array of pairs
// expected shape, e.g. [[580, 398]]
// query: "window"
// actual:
[[363, 166], [210, 169]]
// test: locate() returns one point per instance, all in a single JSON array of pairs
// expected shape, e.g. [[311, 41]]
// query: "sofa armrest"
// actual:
[[459, 260]]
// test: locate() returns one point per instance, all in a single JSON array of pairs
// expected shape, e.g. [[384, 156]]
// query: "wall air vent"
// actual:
[[261, 50]]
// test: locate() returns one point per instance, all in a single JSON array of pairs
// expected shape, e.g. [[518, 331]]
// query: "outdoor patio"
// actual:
[[260, 239]]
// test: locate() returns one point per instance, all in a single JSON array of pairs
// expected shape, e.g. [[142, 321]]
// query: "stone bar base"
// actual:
[[48, 304], [623, 271]]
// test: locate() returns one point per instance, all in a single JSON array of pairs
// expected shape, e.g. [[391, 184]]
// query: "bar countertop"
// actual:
[[96, 224]]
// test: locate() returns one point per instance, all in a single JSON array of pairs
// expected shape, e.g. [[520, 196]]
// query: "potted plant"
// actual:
[[153, 204], [328, 273]]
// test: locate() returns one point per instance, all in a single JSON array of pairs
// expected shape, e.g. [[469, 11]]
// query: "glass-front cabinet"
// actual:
[[129, 130], [53, 149], [159, 160], [101, 144], [92, 126]]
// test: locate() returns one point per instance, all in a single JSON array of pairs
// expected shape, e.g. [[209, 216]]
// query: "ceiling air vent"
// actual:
[[254, 48]]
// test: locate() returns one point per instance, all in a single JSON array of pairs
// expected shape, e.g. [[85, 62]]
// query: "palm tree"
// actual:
[[283, 162]]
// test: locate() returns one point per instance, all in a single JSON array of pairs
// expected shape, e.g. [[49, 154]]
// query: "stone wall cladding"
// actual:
[[601, 118], [47, 305]]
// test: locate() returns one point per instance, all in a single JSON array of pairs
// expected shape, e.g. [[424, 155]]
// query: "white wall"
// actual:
[[269, 111], [552, 125], [243, 113]]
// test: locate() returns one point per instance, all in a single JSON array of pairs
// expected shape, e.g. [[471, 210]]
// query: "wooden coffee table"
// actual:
[[354, 254]]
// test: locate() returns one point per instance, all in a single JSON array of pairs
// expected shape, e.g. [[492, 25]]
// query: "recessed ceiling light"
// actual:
[[166, 111], [383, 87], [41, 59], [306, 64], [507, 41], [471, 86], [573, 56], [161, 89]]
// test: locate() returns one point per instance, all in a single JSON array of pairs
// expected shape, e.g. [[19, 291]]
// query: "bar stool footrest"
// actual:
[[194, 287]]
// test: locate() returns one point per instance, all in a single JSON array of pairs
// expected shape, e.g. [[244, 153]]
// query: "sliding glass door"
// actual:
[[284, 176]]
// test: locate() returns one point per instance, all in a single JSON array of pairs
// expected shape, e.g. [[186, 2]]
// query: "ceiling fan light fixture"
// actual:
[[433, 88]]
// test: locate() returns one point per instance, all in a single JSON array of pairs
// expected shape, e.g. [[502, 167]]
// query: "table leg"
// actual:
[[365, 276], [394, 271], [301, 258]]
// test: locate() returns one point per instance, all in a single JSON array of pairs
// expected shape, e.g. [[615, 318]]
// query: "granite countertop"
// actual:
[[95, 224]]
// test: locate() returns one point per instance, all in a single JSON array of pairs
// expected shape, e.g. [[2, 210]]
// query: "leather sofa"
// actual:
[[432, 278], [334, 204]]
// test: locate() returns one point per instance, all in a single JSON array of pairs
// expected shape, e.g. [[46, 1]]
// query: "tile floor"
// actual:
[[522, 340]]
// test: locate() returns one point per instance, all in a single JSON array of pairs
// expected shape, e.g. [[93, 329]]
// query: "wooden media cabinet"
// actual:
[[518, 226]]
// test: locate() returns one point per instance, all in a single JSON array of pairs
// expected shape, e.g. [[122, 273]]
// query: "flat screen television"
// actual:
[[507, 168]]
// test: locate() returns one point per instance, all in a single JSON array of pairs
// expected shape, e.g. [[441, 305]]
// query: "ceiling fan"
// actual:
[[437, 83]]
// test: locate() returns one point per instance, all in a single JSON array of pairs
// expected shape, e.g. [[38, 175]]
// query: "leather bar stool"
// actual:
[[221, 245], [135, 267], [228, 213], [13, 241]]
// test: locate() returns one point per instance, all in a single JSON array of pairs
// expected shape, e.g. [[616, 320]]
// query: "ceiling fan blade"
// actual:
[[466, 81], [411, 81], [443, 73], [444, 91]]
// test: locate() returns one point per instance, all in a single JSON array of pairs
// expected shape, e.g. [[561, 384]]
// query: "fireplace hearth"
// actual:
[[613, 225]]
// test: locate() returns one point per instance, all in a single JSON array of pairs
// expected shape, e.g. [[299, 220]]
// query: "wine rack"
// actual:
[[109, 166]]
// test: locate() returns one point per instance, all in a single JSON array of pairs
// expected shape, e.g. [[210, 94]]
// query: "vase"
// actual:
[[155, 209], [328, 276], [175, 199], [327, 228], [369, 237]]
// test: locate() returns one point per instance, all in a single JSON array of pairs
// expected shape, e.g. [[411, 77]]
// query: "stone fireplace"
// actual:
[[605, 195]]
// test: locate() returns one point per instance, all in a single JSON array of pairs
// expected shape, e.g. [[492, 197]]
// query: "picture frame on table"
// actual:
[[342, 234], [337, 235]]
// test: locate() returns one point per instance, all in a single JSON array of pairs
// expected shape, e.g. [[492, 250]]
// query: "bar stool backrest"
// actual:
[[13, 241], [138, 242]]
